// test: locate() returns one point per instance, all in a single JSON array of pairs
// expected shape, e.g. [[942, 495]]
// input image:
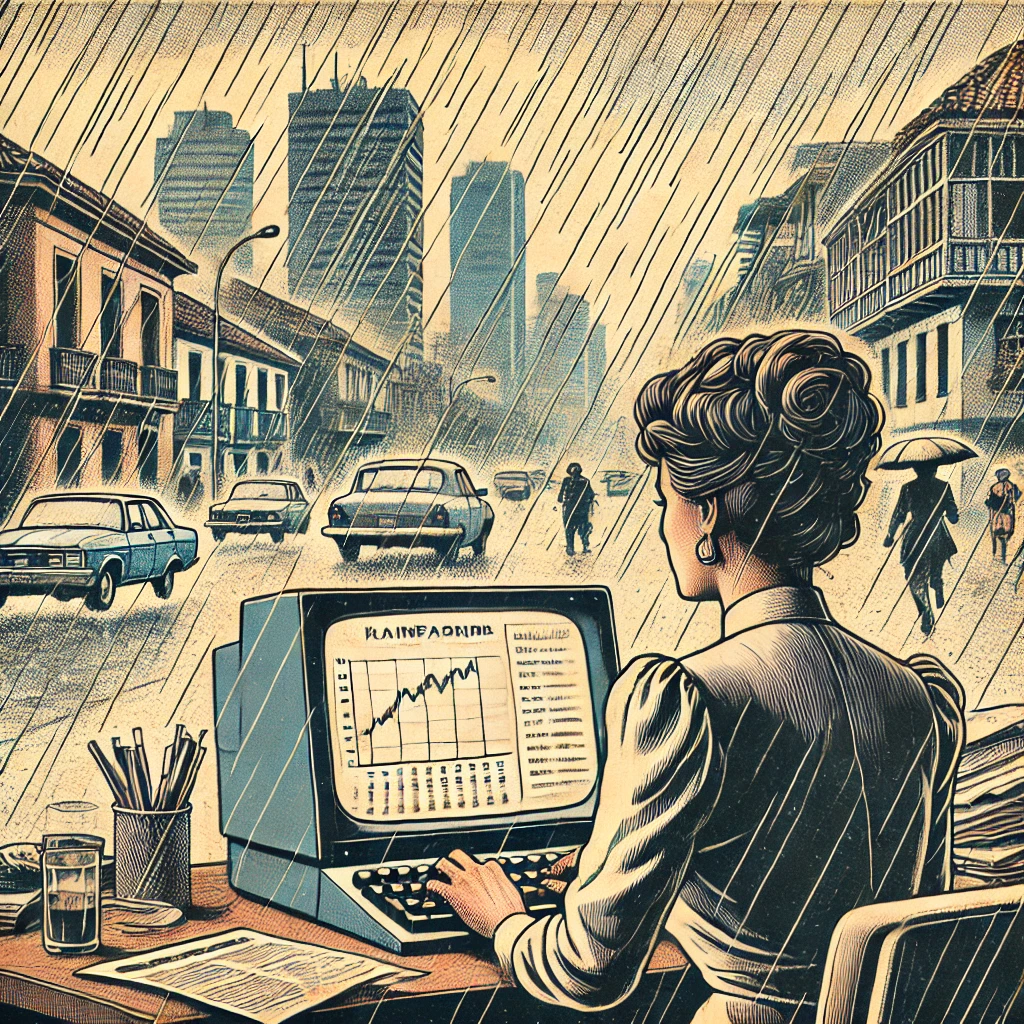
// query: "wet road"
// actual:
[[68, 675]]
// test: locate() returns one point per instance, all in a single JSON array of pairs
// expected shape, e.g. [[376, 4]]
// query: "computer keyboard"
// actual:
[[395, 894]]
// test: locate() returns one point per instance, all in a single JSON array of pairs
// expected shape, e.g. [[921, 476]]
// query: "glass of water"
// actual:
[[71, 893], [71, 817]]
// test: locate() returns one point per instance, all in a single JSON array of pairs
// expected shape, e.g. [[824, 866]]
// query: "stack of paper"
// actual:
[[988, 809], [18, 910]]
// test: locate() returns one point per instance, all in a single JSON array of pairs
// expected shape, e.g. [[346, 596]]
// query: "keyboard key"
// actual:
[[363, 877]]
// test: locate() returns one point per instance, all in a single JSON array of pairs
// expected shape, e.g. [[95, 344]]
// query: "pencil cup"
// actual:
[[152, 855]]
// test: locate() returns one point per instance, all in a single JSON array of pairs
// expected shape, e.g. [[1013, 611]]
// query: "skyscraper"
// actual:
[[204, 171], [488, 287], [355, 177], [569, 356]]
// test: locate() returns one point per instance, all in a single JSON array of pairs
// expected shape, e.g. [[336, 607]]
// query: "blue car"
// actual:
[[72, 545]]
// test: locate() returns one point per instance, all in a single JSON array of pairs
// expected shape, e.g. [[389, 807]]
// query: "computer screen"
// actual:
[[459, 715]]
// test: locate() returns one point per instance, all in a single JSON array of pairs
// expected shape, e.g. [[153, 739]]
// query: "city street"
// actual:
[[70, 675]]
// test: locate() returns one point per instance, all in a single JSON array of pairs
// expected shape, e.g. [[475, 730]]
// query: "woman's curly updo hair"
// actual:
[[780, 428]]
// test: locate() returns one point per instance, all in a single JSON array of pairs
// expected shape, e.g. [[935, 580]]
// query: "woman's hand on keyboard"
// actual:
[[562, 872], [480, 893]]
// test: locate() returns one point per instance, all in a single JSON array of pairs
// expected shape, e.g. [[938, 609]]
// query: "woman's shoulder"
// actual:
[[943, 687]]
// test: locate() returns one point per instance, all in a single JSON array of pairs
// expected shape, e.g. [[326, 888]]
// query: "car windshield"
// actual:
[[255, 489], [74, 512], [511, 477], [400, 478]]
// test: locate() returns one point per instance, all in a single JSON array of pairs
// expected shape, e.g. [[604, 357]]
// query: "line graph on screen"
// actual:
[[430, 709]]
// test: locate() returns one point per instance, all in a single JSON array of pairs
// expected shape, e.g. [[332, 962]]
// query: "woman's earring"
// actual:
[[707, 550]]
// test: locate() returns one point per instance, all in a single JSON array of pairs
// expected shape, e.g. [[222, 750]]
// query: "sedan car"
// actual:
[[276, 507], [513, 484], [411, 503], [90, 544]]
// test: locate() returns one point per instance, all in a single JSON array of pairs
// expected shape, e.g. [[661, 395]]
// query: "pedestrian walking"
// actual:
[[576, 497], [1001, 502], [310, 479], [190, 490]]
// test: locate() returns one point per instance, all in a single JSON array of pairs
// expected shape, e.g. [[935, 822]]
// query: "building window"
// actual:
[[262, 463], [150, 330], [1008, 209], [110, 315], [901, 375], [69, 457], [66, 301], [240, 376], [195, 376], [241, 461], [149, 456], [112, 449], [969, 213], [279, 383], [886, 373], [261, 389], [942, 360], [921, 392]]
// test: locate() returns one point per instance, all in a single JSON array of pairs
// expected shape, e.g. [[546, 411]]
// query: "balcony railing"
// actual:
[[12, 362], [351, 413], [120, 376], [245, 423], [194, 420], [72, 368], [273, 426], [159, 383]]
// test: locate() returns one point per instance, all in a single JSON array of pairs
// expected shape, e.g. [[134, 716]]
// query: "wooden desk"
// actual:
[[36, 983]]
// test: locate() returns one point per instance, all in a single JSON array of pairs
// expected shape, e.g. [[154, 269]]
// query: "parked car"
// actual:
[[411, 503], [618, 482], [513, 484], [276, 507], [90, 544], [539, 479]]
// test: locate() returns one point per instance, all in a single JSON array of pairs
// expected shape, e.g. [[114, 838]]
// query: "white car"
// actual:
[[411, 503]]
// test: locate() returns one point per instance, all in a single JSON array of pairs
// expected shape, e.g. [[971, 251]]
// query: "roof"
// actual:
[[991, 90], [415, 461], [291, 324], [21, 168], [195, 318]]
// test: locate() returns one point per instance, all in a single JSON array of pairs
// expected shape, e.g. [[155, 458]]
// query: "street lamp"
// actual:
[[489, 377], [270, 231]]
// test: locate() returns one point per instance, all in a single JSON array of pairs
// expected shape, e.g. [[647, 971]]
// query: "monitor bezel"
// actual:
[[320, 610]]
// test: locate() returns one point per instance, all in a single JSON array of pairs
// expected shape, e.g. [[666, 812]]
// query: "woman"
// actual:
[[755, 791], [1002, 501], [927, 544]]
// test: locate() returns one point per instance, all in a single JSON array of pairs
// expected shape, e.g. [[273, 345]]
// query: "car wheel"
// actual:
[[349, 551], [448, 554], [219, 535], [480, 544], [277, 535], [101, 597], [164, 585]]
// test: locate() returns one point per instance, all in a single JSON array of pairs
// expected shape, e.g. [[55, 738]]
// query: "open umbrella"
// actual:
[[925, 451]]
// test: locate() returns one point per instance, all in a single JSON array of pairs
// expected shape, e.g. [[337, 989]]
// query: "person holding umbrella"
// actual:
[[928, 502], [1001, 502]]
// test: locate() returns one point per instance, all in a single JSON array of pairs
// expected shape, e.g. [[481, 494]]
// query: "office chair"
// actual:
[[957, 958]]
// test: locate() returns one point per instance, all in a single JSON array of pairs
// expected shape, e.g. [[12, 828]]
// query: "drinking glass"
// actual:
[[71, 817], [71, 893]]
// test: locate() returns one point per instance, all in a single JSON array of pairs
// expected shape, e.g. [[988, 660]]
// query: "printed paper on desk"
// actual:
[[262, 977]]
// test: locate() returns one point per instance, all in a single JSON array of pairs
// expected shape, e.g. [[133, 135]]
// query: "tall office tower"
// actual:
[[204, 174], [355, 236], [564, 356], [488, 287]]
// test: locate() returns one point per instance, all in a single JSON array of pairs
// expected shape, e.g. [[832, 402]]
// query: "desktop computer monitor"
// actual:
[[361, 727]]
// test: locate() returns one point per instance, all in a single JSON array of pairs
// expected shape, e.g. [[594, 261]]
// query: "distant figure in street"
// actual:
[[927, 544], [576, 496], [1002, 510], [190, 490], [310, 479]]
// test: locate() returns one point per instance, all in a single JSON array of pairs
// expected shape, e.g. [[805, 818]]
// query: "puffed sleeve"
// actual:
[[948, 701], [660, 779]]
